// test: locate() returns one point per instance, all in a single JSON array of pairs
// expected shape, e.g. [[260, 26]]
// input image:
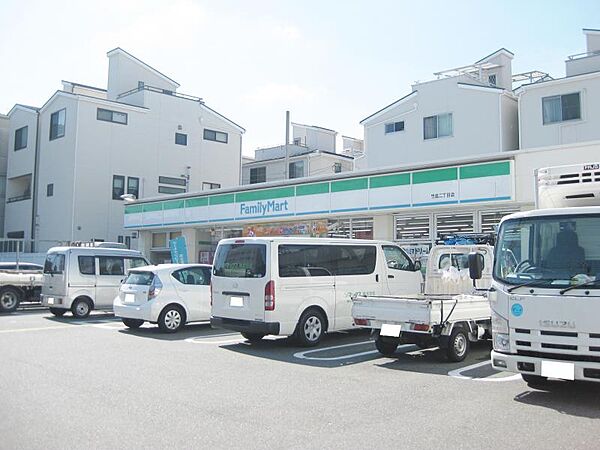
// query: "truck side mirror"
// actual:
[[417, 266], [475, 265]]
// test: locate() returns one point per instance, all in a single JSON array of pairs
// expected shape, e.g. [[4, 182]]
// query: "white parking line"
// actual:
[[458, 374], [204, 339], [22, 330], [304, 354]]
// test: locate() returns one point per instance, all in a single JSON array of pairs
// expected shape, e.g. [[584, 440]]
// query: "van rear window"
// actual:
[[326, 260], [140, 278], [240, 261]]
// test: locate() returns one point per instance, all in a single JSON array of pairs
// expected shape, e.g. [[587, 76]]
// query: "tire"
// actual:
[[387, 345], [171, 319], [252, 337], [58, 312], [535, 381], [132, 323], [81, 308], [458, 345], [10, 298], [310, 328]]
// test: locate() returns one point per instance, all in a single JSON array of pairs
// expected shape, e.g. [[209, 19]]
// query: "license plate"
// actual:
[[388, 329], [553, 369], [129, 298], [50, 300], [237, 302]]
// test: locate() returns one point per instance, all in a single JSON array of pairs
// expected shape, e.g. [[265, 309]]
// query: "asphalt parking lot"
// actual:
[[94, 384]]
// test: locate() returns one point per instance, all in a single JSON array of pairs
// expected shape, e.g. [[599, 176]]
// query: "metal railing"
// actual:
[[18, 198], [583, 55], [160, 91]]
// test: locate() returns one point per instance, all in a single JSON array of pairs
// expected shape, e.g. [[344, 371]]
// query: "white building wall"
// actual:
[[315, 138], [534, 133], [4, 131], [476, 113]]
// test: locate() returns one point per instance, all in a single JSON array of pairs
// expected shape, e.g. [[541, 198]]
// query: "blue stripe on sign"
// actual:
[[451, 202], [198, 221], [349, 209], [488, 199], [390, 206], [227, 219], [173, 223], [312, 212]]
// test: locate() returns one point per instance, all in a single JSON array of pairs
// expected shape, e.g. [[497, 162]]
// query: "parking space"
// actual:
[[207, 387]]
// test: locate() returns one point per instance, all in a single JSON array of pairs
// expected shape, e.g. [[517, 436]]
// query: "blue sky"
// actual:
[[331, 63]]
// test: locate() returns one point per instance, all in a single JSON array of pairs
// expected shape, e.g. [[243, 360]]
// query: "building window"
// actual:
[[159, 240], [21, 138], [337, 167], [118, 187], [57, 124], [492, 79], [172, 180], [111, 116], [209, 186], [437, 126], [412, 228], [170, 190], [258, 175], [560, 108], [133, 186], [297, 141], [217, 136], [446, 224], [15, 235], [120, 239], [128, 243], [296, 169], [354, 228], [394, 127], [180, 139], [50, 190]]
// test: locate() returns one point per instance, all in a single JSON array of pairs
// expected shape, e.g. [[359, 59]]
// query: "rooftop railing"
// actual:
[[160, 91], [583, 55]]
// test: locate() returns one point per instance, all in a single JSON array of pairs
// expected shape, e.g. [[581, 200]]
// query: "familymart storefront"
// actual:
[[412, 207]]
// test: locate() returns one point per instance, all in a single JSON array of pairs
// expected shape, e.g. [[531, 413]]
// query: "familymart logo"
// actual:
[[261, 208]]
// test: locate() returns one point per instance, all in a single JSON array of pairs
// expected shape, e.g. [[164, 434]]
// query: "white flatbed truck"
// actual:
[[18, 286], [450, 313]]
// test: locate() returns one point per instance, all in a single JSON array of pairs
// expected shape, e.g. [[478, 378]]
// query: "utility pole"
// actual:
[[287, 141]]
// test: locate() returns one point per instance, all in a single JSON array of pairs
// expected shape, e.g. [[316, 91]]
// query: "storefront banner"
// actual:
[[314, 228]]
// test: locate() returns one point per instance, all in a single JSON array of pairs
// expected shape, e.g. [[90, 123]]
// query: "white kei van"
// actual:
[[302, 286], [81, 279]]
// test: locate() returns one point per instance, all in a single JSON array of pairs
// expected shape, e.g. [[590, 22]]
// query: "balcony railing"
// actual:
[[19, 198], [583, 55], [160, 91]]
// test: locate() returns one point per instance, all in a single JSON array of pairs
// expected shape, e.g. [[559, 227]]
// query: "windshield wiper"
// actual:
[[575, 286], [517, 286]]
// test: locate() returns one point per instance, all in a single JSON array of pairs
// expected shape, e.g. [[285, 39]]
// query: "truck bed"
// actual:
[[429, 309]]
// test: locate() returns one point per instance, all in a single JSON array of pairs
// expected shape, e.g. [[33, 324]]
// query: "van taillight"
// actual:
[[270, 296]]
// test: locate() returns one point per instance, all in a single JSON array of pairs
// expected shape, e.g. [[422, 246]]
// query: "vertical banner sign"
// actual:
[[178, 248]]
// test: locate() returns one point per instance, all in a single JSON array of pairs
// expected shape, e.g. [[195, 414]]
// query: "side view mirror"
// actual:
[[475, 265], [417, 266]]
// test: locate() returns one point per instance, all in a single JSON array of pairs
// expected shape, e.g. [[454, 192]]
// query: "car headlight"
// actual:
[[501, 342]]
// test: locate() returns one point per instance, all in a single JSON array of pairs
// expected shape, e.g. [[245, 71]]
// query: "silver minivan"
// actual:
[[81, 279]]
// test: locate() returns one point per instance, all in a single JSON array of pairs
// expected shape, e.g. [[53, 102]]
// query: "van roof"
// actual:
[[302, 239], [96, 250], [167, 267]]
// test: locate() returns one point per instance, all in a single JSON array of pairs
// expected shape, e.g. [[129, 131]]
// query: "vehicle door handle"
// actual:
[[376, 277], [390, 276]]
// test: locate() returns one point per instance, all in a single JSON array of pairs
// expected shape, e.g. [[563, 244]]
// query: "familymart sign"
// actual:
[[474, 183]]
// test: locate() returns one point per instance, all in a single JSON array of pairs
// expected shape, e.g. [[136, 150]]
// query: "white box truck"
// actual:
[[545, 293]]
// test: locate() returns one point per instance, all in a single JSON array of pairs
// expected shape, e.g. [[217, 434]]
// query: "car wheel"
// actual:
[[535, 381], [132, 323], [171, 319], [386, 345], [81, 308], [58, 312], [253, 337], [310, 328], [458, 345], [10, 298]]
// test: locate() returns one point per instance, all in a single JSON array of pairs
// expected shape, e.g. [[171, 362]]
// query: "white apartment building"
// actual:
[[4, 126], [71, 161], [312, 153], [567, 110], [467, 111]]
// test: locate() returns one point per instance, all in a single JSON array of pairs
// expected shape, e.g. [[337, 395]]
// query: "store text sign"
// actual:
[[263, 208]]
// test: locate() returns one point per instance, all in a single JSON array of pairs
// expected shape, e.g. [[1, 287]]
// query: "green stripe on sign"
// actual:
[[312, 189], [432, 176], [133, 209], [400, 179], [349, 185], [264, 194], [173, 204], [221, 199], [193, 202], [485, 170], [151, 207]]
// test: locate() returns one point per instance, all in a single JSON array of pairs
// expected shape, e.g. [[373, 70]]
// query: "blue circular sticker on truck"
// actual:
[[517, 309]]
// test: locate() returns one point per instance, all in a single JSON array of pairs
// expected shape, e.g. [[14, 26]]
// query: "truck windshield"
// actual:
[[550, 251], [240, 261], [55, 263]]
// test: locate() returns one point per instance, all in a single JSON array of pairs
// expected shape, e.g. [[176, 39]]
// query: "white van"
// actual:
[[302, 286], [84, 278]]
